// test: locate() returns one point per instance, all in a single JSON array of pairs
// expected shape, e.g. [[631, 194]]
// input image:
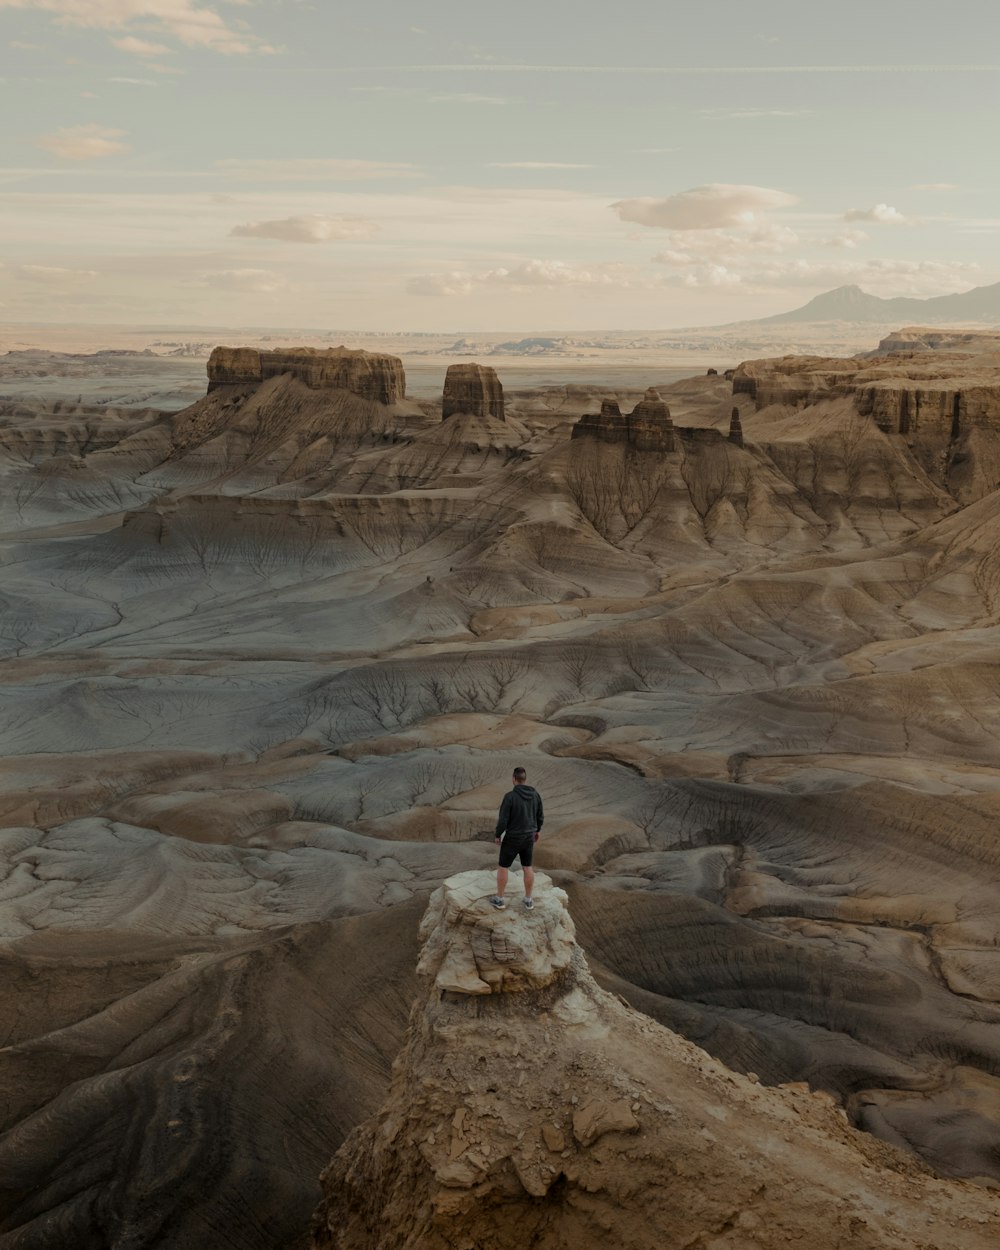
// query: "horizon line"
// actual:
[[513, 67]]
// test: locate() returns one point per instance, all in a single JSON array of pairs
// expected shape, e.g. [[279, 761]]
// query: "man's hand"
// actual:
[[497, 840], [536, 837]]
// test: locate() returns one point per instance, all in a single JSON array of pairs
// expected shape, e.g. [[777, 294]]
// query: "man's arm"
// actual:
[[504, 817], [539, 813]]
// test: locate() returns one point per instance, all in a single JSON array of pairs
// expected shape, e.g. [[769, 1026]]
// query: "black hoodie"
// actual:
[[520, 811]]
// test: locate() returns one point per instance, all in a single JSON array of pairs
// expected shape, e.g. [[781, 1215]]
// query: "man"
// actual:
[[519, 824]]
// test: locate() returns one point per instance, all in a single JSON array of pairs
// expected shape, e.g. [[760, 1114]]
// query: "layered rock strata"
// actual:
[[648, 427], [528, 1107], [371, 375], [936, 394], [474, 390]]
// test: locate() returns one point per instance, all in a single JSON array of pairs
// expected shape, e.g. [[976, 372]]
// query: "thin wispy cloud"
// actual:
[[313, 169], [466, 97], [532, 274], [84, 143], [753, 114], [536, 165], [711, 207], [493, 67], [54, 275], [251, 281], [140, 47], [194, 25], [309, 228], [425, 93]]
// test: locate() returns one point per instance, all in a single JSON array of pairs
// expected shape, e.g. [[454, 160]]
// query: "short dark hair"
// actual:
[[519, 774]]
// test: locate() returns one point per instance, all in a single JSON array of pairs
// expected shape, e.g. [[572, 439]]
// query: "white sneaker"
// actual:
[[529, 904], [498, 902]]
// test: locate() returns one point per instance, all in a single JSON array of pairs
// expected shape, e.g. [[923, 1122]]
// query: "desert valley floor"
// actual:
[[268, 662]]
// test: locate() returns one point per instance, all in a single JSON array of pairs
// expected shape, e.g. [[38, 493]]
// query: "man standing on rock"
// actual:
[[519, 825]]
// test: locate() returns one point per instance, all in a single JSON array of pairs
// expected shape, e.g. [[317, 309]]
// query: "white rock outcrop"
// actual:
[[529, 1107]]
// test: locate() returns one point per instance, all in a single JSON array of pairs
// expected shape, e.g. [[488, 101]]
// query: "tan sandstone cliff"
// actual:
[[648, 427], [528, 1107], [371, 375]]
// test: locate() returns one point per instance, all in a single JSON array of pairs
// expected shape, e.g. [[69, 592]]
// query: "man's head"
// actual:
[[520, 776]]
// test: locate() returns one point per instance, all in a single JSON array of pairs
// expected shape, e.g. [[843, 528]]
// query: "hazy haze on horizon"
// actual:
[[445, 165]]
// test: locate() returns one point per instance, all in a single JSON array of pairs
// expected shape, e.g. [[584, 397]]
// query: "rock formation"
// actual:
[[472, 389], [945, 404], [369, 375], [528, 1107], [647, 427], [267, 664], [735, 428]]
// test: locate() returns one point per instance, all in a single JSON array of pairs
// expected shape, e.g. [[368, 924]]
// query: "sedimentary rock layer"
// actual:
[[267, 665], [472, 389], [647, 427], [372, 376]]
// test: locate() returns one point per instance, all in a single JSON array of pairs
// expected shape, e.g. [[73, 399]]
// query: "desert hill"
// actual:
[[850, 303], [268, 663]]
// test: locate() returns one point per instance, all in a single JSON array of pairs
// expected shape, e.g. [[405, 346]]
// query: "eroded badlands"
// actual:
[[269, 661]]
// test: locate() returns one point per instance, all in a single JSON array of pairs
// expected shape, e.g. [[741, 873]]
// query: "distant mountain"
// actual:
[[850, 303]]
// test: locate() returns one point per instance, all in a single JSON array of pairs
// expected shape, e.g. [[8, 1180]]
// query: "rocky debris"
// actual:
[[370, 375], [544, 1112], [735, 428], [648, 427], [474, 390]]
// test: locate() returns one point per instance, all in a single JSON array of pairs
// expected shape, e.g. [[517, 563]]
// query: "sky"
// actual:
[[524, 165]]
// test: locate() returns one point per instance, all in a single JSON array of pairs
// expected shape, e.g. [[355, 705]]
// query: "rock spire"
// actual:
[[648, 427]]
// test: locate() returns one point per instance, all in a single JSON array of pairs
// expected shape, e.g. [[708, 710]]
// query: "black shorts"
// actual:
[[514, 845]]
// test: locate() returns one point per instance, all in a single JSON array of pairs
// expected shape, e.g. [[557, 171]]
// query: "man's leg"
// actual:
[[501, 881], [529, 881]]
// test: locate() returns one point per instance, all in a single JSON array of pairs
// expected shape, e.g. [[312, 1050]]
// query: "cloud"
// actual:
[[846, 239], [691, 247], [140, 47], [754, 113], [83, 143], [184, 20], [883, 214], [532, 274], [536, 165], [312, 169], [254, 281], [882, 277], [311, 228], [711, 207], [52, 275], [135, 82], [466, 97], [935, 186]]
